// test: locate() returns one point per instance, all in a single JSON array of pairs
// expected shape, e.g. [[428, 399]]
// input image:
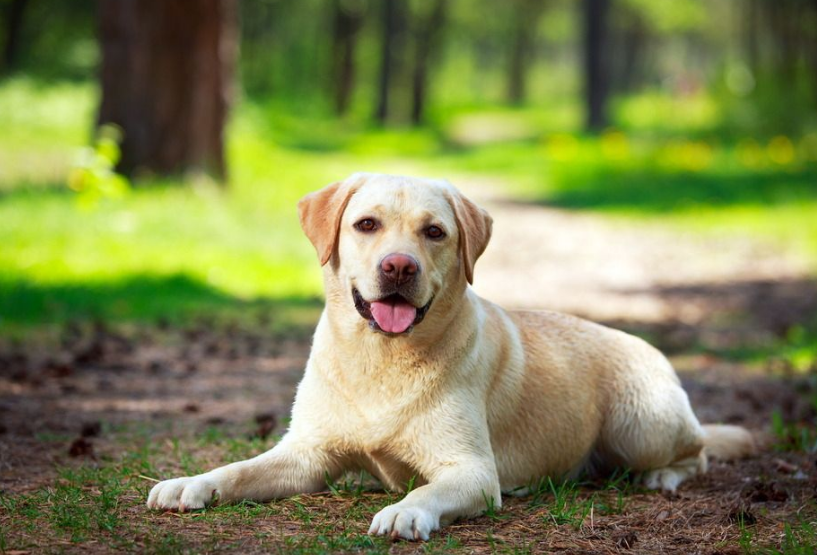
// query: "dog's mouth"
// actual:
[[392, 314]]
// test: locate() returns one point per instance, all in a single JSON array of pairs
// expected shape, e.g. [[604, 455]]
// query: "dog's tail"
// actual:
[[725, 442]]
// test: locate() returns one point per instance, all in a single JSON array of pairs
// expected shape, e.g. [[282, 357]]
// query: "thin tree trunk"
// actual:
[[751, 34], [347, 24], [167, 72], [14, 26], [596, 81], [634, 40], [811, 50], [389, 30], [427, 39], [516, 69], [526, 19], [783, 23]]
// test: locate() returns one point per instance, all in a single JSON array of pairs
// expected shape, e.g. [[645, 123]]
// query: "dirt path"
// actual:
[[102, 391], [541, 257], [681, 290]]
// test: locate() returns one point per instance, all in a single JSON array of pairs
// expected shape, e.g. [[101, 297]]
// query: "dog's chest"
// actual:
[[380, 393], [376, 418]]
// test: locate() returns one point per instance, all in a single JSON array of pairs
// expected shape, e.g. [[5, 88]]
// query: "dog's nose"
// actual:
[[399, 268]]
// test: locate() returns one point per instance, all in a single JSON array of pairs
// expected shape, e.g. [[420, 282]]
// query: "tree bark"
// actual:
[[387, 46], [166, 75], [14, 26], [812, 51], [633, 45], [526, 18], [751, 34], [427, 39], [392, 27], [596, 79], [347, 24]]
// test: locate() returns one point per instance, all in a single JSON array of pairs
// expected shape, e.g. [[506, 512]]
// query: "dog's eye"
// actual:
[[434, 232], [366, 225]]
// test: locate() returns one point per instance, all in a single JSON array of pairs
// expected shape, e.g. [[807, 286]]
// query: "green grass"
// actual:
[[765, 189], [102, 503], [166, 250], [99, 505], [173, 253], [794, 436]]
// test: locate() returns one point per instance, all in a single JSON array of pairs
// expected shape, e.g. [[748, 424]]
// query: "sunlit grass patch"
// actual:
[[100, 505], [171, 246], [660, 112], [42, 128], [161, 235], [756, 188]]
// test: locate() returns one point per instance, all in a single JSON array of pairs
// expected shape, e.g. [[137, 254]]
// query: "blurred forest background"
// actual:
[[649, 164], [701, 113]]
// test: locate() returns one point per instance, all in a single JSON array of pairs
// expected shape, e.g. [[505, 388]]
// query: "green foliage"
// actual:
[[678, 16], [491, 510], [348, 487], [799, 349], [93, 176], [563, 502], [794, 436], [169, 252], [82, 502], [799, 539]]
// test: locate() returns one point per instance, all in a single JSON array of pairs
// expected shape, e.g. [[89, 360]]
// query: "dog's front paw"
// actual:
[[183, 494], [411, 523]]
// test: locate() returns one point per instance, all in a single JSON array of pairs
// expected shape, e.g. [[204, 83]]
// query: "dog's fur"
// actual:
[[472, 400]]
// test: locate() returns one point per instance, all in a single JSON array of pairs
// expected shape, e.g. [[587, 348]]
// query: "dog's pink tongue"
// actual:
[[393, 316]]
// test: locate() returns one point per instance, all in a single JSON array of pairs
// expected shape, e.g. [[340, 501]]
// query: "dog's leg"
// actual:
[[458, 490], [652, 429], [293, 466], [670, 477]]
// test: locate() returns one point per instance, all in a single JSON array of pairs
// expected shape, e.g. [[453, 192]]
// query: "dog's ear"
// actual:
[[474, 225], [320, 213]]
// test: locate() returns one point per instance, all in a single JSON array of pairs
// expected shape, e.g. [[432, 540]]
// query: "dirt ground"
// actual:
[[70, 400]]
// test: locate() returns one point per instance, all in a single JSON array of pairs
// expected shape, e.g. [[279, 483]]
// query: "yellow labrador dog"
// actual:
[[413, 375]]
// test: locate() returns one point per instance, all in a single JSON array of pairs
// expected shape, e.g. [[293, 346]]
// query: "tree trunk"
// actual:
[[526, 18], [812, 51], [167, 71], [393, 62], [347, 24], [751, 34], [596, 82], [14, 26], [390, 24], [427, 38], [783, 21], [633, 46]]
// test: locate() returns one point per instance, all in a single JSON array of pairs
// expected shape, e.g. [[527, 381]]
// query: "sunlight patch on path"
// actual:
[[605, 269]]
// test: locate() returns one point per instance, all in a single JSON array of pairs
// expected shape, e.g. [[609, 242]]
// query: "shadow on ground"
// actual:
[[145, 299], [741, 321], [661, 191], [157, 400]]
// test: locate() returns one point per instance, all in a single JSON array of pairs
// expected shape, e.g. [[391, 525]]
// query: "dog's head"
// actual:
[[394, 247]]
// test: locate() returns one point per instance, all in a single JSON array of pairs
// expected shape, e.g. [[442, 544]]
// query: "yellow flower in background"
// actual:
[[563, 147], [696, 155], [781, 150], [808, 147], [615, 145], [93, 176], [750, 154], [693, 156]]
